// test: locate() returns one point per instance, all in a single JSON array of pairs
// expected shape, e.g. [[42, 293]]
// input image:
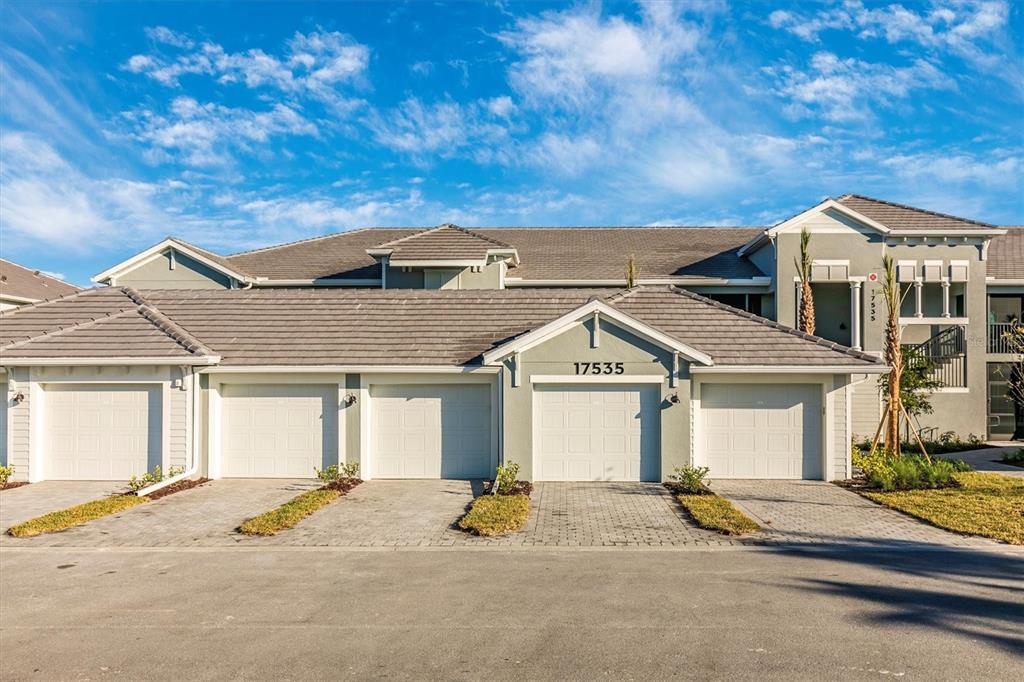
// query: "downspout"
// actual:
[[193, 467]]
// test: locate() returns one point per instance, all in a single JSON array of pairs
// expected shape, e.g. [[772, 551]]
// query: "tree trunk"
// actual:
[[807, 323]]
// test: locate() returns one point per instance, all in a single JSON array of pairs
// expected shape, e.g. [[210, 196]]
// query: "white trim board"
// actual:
[[596, 379], [556, 327], [143, 257], [352, 369], [790, 369], [112, 361]]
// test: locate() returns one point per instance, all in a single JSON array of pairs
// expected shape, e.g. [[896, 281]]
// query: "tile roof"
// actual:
[[114, 322], [447, 242], [385, 327], [19, 281], [584, 253], [601, 252], [1006, 254], [335, 256], [219, 260], [900, 217]]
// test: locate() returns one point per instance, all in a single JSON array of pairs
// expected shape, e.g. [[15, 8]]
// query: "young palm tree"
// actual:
[[805, 314], [893, 355], [632, 272]]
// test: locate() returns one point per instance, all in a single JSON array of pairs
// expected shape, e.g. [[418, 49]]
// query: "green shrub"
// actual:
[[1015, 457], [5, 474], [506, 477], [909, 472], [958, 465], [136, 483], [690, 479], [337, 473]]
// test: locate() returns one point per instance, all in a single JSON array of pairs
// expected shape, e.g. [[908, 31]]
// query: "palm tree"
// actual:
[[632, 272], [805, 315], [893, 355]]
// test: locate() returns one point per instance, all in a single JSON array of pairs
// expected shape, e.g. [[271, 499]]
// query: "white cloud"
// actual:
[[162, 34], [1001, 170], [844, 90], [47, 200], [969, 28], [445, 129], [205, 134], [315, 62]]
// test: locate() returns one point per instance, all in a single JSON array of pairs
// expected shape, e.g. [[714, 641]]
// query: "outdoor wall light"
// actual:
[[674, 398], [18, 398], [349, 400]]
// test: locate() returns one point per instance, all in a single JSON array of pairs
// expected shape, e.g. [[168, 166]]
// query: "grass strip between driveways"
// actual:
[[985, 504], [493, 515], [57, 521], [717, 513], [289, 513]]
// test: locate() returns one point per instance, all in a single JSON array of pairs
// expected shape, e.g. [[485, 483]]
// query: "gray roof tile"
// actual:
[[1006, 254], [447, 242], [382, 327], [900, 217], [17, 280]]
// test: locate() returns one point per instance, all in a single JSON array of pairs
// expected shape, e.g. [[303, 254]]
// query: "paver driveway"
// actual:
[[29, 501], [424, 513], [815, 512]]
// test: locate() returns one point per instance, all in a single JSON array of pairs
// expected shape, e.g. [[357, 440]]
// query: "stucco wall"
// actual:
[[835, 237], [556, 357], [186, 274], [489, 277]]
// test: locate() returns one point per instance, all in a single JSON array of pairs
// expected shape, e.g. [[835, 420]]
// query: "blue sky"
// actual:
[[236, 125]]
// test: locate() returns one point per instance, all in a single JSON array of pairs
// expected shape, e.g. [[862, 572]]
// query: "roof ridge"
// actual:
[[58, 331], [312, 239], [476, 235], [417, 233], [165, 324], [915, 208], [832, 345]]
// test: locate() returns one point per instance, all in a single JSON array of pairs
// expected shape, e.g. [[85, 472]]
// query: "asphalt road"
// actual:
[[463, 614]]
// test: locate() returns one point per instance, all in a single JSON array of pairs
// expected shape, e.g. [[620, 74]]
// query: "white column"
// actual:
[[945, 298], [855, 287], [918, 298]]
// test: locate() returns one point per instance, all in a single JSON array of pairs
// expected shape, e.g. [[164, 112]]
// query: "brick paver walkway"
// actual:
[[29, 501], [815, 512]]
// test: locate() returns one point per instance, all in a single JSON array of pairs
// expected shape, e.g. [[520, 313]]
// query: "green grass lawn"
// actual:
[[718, 514], [289, 513], [75, 516], [496, 514], [986, 504]]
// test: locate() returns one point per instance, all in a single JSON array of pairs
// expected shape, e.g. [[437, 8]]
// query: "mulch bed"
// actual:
[[343, 486], [10, 485], [520, 488], [187, 484]]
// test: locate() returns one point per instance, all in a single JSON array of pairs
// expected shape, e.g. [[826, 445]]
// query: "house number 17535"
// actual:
[[599, 367]]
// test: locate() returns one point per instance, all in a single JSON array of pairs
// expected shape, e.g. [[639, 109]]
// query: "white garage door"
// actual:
[[431, 431], [101, 432], [589, 433], [762, 430], [278, 430]]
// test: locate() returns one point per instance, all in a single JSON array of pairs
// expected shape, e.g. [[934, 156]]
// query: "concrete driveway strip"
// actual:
[[312, 613]]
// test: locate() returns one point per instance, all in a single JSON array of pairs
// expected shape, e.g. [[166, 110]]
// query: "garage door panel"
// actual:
[[762, 430], [278, 430], [102, 431], [431, 431], [597, 433]]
